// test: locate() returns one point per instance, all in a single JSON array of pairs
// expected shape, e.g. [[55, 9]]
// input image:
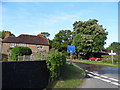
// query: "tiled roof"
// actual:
[[27, 39]]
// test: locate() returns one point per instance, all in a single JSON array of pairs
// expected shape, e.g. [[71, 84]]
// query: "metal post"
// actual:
[[70, 58]]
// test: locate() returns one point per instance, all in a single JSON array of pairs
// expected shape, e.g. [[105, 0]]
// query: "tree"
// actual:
[[62, 40], [89, 37], [115, 46], [45, 34], [20, 51], [2, 34]]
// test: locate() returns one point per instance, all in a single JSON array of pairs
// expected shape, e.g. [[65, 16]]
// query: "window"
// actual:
[[21, 44], [12, 44], [40, 46]]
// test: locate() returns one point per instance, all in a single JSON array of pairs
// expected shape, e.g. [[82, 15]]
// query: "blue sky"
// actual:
[[35, 17]]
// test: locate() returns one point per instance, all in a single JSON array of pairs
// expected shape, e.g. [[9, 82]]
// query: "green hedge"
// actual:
[[20, 51], [54, 63], [107, 59]]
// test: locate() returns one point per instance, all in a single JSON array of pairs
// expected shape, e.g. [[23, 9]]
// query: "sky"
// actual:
[[35, 17]]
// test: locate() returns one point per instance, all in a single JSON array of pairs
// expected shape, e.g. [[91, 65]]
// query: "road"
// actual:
[[98, 76]]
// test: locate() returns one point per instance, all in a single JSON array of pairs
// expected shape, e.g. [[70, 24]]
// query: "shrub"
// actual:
[[54, 63], [20, 51], [107, 59]]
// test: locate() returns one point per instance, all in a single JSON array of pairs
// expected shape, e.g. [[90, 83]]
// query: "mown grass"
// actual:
[[97, 63], [71, 77]]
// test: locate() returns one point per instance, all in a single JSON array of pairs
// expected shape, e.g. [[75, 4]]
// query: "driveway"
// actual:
[[98, 76]]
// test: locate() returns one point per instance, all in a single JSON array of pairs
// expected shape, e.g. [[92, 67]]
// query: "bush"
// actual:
[[54, 63], [107, 59], [20, 51]]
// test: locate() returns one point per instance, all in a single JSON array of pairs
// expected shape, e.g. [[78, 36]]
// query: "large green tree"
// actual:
[[89, 37], [2, 34], [62, 40], [115, 46]]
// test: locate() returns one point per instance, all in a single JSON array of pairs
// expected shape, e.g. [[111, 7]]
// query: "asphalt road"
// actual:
[[98, 76]]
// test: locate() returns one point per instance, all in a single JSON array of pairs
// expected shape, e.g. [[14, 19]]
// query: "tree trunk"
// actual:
[[78, 56]]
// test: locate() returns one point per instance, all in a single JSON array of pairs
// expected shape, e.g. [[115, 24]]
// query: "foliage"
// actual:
[[71, 77], [97, 63], [89, 36], [115, 46], [2, 34], [54, 63], [45, 34], [62, 40], [107, 59], [20, 51], [50, 43]]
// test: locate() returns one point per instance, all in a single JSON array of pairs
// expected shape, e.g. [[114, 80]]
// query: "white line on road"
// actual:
[[100, 78], [115, 83], [90, 75], [105, 80], [114, 79], [103, 76], [96, 77]]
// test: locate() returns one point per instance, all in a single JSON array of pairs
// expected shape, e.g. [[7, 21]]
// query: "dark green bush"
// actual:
[[54, 63], [20, 51]]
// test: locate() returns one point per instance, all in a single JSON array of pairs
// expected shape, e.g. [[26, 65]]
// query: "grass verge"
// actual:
[[97, 63], [71, 77]]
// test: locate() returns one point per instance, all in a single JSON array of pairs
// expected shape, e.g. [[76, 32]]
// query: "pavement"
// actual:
[[99, 76]]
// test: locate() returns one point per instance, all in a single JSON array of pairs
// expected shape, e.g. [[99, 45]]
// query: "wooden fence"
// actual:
[[33, 57]]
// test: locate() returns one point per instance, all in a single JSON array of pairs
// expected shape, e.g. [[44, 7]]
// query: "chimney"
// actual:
[[40, 35], [7, 34]]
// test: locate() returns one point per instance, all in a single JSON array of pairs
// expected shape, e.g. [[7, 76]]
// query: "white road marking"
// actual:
[[100, 77], [90, 75], [115, 83], [105, 80], [96, 77], [114, 79], [96, 74], [104, 76]]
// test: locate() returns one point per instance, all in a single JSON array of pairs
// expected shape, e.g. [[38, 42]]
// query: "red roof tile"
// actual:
[[27, 39]]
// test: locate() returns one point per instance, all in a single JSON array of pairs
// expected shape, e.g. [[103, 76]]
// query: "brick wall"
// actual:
[[6, 48]]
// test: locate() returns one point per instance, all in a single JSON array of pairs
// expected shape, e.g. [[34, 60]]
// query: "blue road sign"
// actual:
[[71, 49]]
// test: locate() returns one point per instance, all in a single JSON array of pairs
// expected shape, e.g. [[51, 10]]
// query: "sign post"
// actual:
[[112, 55], [71, 49]]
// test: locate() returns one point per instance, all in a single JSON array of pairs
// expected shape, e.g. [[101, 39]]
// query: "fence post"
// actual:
[[23, 57], [31, 57], [41, 57], [18, 58]]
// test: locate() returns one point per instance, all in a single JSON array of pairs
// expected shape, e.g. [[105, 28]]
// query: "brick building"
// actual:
[[37, 43]]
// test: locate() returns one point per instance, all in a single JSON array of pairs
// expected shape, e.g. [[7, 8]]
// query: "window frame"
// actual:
[[21, 44], [39, 46], [12, 44]]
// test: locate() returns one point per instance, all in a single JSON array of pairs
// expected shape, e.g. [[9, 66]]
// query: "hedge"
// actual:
[[20, 51], [54, 63], [107, 59]]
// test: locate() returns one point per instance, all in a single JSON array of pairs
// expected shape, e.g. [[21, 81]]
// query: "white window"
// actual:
[[21, 44], [40, 46], [12, 44]]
